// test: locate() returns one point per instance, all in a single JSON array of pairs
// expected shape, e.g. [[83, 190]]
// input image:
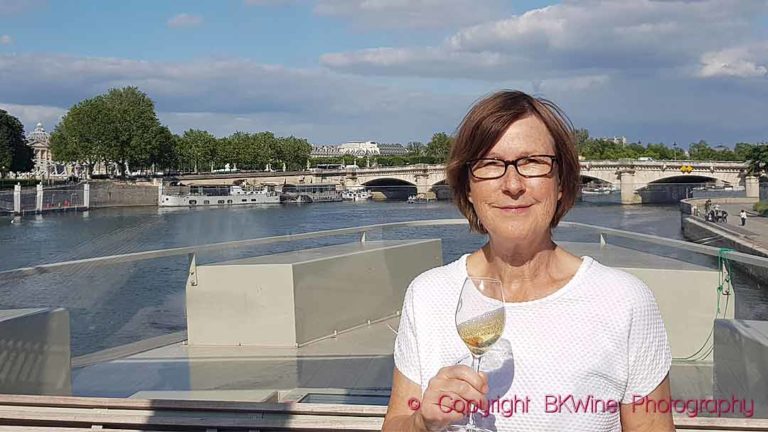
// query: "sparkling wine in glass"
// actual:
[[480, 317]]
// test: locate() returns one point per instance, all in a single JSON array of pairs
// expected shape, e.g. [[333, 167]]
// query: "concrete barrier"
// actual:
[[293, 298], [35, 352], [741, 363]]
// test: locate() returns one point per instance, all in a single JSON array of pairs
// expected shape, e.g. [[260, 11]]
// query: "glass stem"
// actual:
[[475, 367]]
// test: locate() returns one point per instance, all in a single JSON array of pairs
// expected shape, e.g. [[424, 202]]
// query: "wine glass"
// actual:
[[480, 318]]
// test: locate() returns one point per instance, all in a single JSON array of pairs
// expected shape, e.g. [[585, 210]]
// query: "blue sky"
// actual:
[[396, 70]]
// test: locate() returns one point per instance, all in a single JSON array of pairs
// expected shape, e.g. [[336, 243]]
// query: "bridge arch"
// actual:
[[391, 187], [689, 179], [442, 190], [593, 179]]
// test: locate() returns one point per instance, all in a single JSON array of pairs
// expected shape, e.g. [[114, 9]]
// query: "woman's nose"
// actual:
[[512, 182]]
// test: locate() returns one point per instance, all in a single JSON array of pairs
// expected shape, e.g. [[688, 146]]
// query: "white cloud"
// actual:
[[30, 115], [585, 37], [421, 62], [6, 40], [185, 20], [741, 62], [633, 68], [225, 95]]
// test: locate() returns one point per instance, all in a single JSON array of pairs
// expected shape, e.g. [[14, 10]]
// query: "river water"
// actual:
[[118, 304]]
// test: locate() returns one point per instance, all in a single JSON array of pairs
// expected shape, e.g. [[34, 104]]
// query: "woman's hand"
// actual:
[[451, 395]]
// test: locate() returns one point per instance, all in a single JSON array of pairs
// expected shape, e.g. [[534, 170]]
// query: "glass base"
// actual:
[[466, 428]]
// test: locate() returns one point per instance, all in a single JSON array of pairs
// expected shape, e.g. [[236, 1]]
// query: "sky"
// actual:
[[331, 71]]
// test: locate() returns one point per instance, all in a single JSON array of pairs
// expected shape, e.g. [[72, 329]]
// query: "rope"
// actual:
[[724, 288]]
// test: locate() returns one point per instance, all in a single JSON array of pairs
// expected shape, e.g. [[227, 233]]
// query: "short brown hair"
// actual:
[[482, 128]]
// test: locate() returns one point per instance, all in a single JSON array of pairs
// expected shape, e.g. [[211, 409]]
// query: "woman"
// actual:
[[578, 331]]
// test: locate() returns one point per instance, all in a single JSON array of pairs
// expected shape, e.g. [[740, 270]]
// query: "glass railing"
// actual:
[[122, 298]]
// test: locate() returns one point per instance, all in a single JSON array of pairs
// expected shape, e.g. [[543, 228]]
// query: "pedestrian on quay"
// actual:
[[514, 173], [743, 216]]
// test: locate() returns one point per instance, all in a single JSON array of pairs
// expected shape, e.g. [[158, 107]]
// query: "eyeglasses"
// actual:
[[528, 167]]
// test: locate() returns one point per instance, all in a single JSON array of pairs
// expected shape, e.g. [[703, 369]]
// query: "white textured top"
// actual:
[[575, 355]]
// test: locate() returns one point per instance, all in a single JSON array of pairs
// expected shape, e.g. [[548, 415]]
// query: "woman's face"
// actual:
[[514, 207]]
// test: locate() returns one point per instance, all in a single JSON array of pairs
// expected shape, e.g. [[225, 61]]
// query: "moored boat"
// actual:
[[356, 194], [236, 196]]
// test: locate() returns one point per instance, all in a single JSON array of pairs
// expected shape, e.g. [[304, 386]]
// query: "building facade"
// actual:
[[40, 141], [45, 167], [359, 149]]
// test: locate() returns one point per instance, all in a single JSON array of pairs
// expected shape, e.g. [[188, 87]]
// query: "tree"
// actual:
[[134, 127], [80, 135], [295, 152], [439, 146], [164, 154], [15, 154], [120, 126], [415, 148], [701, 151], [758, 160], [197, 149], [743, 151], [582, 138]]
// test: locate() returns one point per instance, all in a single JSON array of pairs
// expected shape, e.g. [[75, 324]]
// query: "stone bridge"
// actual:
[[633, 178]]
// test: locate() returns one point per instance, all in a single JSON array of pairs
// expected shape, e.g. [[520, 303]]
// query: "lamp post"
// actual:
[[674, 146]]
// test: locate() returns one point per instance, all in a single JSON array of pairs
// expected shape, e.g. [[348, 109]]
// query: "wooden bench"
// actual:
[[58, 413]]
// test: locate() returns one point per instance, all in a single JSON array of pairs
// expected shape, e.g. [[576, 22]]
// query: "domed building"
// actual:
[[40, 141]]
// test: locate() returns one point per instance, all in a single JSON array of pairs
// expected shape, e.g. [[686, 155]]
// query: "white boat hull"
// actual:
[[217, 200]]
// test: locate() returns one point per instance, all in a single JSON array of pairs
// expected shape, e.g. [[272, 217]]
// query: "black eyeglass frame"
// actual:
[[507, 163]]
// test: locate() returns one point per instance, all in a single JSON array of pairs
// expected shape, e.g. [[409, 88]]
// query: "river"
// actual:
[[114, 305]]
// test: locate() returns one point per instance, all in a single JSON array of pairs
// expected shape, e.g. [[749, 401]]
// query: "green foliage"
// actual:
[[742, 150], [120, 126], [761, 207], [164, 146], [196, 150], [758, 159], [200, 151], [15, 154], [439, 146], [602, 149], [416, 148]]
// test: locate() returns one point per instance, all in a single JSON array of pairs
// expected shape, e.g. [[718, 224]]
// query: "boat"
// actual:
[[600, 190], [420, 199], [310, 193], [236, 196], [356, 194], [248, 361]]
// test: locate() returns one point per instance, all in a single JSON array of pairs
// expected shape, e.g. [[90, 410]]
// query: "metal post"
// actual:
[[87, 195], [39, 201], [192, 277], [17, 199]]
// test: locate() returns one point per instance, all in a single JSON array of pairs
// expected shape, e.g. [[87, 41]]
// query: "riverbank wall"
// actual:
[[119, 194], [699, 230], [77, 197]]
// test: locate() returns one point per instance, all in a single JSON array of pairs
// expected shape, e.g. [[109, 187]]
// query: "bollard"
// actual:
[[87, 195], [39, 201], [17, 199]]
